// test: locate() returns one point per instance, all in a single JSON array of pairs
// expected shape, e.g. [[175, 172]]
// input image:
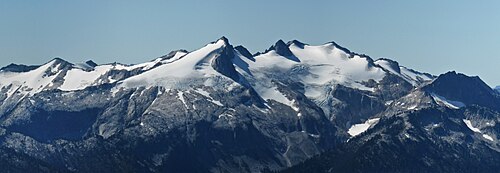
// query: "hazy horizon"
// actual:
[[427, 36]]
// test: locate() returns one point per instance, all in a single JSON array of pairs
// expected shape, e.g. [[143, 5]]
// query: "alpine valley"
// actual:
[[292, 108]]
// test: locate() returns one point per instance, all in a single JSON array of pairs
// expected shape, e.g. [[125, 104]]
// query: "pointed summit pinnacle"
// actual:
[[226, 41], [223, 38], [281, 49]]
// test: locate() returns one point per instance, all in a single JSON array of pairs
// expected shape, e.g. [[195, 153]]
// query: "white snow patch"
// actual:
[[469, 125], [77, 79], [488, 137], [412, 75], [206, 94], [273, 94], [160, 91], [176, 57], [412, 107], [477, 130], [232, 86], [180, 95], [225, 115], [387, 103], [357, 129], [143, 66], [448, 103], [294, 106]]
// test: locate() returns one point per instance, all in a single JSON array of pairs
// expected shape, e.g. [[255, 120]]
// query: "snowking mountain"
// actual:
[[293, 108]]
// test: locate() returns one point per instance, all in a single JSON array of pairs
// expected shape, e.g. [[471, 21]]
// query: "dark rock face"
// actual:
[[12, 161], [297, 43], [58, 65], [18, 68], [223, 63], [244, 51], [282, 49], [392, 87], [91, 63], [356, 106], [131, 127], [392, 145], [46, 126], [393, 64], [469, 90], [228, 127]]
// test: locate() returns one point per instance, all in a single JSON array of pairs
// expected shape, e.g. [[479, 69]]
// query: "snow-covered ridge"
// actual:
[[192, 66], [31, 81], [411, 76], [317, 67], [74, 76]]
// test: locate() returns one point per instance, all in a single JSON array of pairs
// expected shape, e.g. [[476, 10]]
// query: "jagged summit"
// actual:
[[91, 63], [173, 54], [467, 89], [223, 61], [322, 61], [391, 63], [281, 49], [340, 47], [225, 110], [454, 79], [244, 51], [297, 43], [59, 61], [223, 38]]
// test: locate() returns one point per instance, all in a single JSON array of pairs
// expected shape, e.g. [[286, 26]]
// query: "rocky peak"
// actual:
[[467, 89], [171, 54], [244, 51], [223, 38], [281, 49], [223, 63], [91, 63], [297, 43], [392, 64], [57, 65]]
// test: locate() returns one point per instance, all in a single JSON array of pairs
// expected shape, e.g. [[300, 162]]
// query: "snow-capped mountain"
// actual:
[[227, 110]]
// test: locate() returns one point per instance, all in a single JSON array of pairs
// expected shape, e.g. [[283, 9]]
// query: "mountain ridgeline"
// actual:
[[292, 108]]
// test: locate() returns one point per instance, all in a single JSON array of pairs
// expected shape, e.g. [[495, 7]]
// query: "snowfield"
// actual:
[[357, 129]]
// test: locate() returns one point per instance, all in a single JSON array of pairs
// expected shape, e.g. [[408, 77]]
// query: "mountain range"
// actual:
[[294, 107]]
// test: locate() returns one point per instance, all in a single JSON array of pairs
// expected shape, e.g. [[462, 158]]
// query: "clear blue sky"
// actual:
[[430, 36]]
